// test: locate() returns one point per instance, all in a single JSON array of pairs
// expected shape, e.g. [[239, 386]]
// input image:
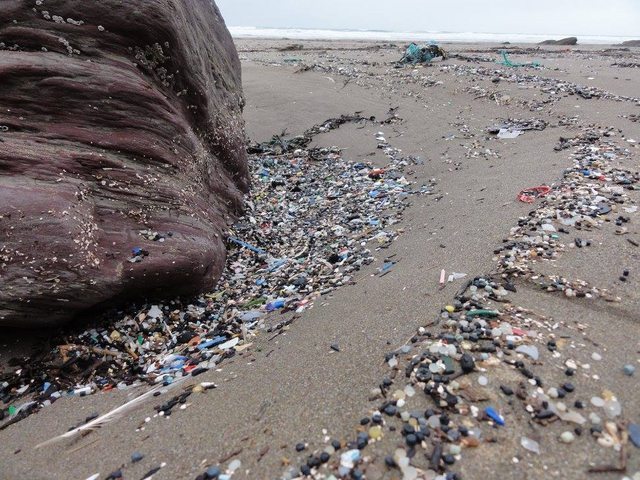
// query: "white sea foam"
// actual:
[[461, 37]]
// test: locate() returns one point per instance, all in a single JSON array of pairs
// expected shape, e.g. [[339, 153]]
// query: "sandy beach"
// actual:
[[314, 380]]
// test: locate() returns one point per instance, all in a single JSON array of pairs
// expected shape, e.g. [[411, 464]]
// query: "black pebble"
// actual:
[[411, 440], [544, 414], [407, 429], [568, 387], [305, 470], [324, 457], [506, 390], [449, 459], [467, 363], [300, 447]]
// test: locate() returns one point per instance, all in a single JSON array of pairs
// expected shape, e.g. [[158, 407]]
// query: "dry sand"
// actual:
[[294, 388]]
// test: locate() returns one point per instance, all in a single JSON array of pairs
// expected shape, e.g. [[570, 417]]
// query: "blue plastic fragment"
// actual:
[[276, 264], [634, 434], [387, 266], [251, 316], [494, 415], [275, 305], [247, 246], [212, 343], [136, 251]]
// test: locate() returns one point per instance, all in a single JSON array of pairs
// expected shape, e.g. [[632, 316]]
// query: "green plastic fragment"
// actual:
[[12, 410], [140, 339], [483, 313], [508, 63], [255, 303]]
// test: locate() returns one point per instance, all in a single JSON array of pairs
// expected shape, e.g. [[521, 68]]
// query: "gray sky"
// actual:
[[575, 17]]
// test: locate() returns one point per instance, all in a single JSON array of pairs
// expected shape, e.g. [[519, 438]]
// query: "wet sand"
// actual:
[[294, 387]]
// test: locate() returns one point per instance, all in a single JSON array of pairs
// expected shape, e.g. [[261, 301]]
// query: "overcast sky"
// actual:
[[575, 17]]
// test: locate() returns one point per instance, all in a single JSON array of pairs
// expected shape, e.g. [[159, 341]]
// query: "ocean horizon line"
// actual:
[[240, 31]]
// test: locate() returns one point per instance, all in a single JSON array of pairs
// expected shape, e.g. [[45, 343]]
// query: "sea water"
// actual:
[[459, 37]]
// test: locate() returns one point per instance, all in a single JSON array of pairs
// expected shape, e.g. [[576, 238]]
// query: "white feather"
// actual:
[[110, 416]]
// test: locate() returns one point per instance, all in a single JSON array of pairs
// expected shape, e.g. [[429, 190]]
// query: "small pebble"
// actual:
[[136, 457], [506, 390], [629, 370], [212, 472], [567, 437]]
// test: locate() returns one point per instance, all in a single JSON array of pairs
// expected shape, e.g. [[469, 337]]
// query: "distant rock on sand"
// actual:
[[564, 41], [117, 118], [629, 43]]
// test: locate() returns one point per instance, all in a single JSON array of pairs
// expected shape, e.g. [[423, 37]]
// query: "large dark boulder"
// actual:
[[629, 43], [563, 41], [116, 117]]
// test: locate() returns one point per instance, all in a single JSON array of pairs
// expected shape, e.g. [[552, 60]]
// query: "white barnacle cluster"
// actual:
[[75, 22], [68, 46]]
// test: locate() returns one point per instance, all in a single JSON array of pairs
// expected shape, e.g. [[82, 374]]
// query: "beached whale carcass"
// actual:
[[122, 152]]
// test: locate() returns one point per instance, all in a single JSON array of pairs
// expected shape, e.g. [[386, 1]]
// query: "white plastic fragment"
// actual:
[[530, 445]]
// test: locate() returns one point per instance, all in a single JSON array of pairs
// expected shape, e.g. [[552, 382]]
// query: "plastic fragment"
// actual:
[[530, 445], [494, 415]]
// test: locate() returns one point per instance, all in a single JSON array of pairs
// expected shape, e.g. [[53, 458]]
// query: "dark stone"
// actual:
[[126, 122], [136, 457], [545, 414], [408, 429], [449, 459], [467, 363], [300, 447], [629, 43], [563, 41], [506, 390], [411, 440], [212, 472]]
